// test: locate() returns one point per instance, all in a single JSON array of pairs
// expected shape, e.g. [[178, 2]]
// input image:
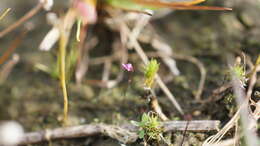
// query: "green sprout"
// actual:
[[150, 72], [240, 73], [150, 127]]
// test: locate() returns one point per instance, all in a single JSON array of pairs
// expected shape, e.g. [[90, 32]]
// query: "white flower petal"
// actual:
[[50, 39], [47, 4]]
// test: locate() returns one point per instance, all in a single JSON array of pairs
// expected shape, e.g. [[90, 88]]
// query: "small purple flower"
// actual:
[[128, 67]]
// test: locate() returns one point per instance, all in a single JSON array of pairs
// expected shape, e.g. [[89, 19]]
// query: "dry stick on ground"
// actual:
[[125, 134], [27, 16]]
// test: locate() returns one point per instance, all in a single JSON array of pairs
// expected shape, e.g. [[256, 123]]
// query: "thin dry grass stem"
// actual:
[[106, 70], [163, 47], [83, 57], [253, 78], [228, 142], [237, 135], [102, 60], [14, 44], [8, 67], [217, 137], [139, 25], [23, 19], [119, 54], [62, 54], [4, 13], [202, 69], [216, 93], [169, 94], [249, 61], [150, 36], [156, 107], [65, 28]]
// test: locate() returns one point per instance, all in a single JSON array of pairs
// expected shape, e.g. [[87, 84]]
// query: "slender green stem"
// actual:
[[62, 57], [79, 21]]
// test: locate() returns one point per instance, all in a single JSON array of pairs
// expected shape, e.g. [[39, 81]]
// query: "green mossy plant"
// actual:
[[150, 127], [239, 72], [150, 72]]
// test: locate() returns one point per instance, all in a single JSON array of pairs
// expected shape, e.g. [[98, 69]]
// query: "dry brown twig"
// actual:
[[8, 67], [23, 19], [14, 44], [125, 134]]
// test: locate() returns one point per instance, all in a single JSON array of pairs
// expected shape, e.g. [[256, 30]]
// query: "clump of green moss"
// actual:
[[150, 127]]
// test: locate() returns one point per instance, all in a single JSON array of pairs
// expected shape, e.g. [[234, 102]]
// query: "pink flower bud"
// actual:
[[128, 67], [87, 10]]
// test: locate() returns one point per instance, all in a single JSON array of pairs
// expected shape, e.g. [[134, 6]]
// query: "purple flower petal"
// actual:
[[128, 67]]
